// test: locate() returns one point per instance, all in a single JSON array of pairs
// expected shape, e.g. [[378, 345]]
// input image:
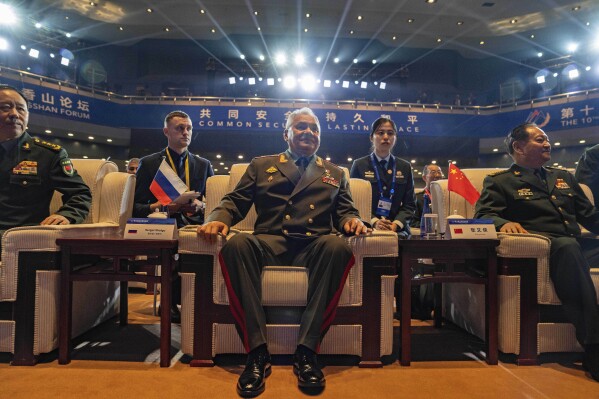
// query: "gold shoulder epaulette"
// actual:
[[51, 146], [498, 172]]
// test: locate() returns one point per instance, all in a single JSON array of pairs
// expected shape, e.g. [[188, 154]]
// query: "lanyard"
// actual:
[[376, 167], [175, 168]]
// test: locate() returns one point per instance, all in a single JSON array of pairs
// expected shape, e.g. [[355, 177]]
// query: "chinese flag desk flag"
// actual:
[[459, 183]]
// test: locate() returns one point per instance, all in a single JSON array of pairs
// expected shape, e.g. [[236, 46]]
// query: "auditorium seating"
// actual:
[[529, 319], [29, 272], [363, 324]]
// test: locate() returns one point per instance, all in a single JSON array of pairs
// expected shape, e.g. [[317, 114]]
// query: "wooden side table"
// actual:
[[113, 259], [449, 258]]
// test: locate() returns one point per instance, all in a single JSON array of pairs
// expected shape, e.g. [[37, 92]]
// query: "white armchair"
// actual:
[[363, 325], [529, 319], [29, 272]]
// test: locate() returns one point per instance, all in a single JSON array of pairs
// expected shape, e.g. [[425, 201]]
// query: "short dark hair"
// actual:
[[174, 114], [379, 122], [519, 133], [12, 88]]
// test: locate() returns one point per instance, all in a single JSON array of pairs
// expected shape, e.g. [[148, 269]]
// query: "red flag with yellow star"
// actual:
[[459, 183]]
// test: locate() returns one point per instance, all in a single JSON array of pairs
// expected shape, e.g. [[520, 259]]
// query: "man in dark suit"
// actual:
[[391, 180], [587, 170], [300, 200], [193, 171], [31, 170], [531, 198], [430, 173]]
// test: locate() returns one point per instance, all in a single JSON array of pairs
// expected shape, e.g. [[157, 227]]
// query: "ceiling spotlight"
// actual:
[[540, 79], [351, 32], [513, 21], [91, 137], [555, 74], [240, 78], [355, 60], [239, 156], [70, 134], [327, 83], [572, 47], [573, 73], [394, 37], [306, 30], [260, 79], [319, 59], [261, 57], [336, 60], [23, 47], [307, 15], [213, 30], [38, 25], [256, 13], [52, 55], [557, 143], [280, 59], [202, 11], [3, 44], [8, 15], [299, 59], [232, 80], [242, 56], [345, 84], [460, 23], [109, 140], [337, 81], [410, 20], [149, 10], [439, 40], [64, 61], [34, 53], [359, 17], [68, 34], [356, 82], [251, 81], [383, 86], [289, 82], [576, 8], [121, 28], [270, 81], [374, 61], [430, 1], [532, 36], [582, 141], [308, 82], [540, 54], [587, 68], [48, 131], [363, 85], [167, 29], [349, 159]]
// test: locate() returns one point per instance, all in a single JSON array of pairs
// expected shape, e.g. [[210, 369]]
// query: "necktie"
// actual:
[[540, 175], [301, 163], [383, 164]]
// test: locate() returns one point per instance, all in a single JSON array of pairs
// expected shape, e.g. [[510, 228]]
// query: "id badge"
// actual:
[[384, 207]]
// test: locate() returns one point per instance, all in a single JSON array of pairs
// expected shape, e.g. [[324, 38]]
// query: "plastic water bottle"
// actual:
[[426, 209]]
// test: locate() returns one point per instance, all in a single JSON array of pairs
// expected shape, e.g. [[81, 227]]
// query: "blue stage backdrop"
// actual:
[[49, 101]]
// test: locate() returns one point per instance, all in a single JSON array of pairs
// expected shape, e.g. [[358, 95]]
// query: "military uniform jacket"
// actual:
[[200, 170], [554, 209], [289, 204], [29, 175], [587, 170], [403, 203]]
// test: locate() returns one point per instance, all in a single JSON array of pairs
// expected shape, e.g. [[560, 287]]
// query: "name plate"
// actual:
[[151, 229], [470, 229]]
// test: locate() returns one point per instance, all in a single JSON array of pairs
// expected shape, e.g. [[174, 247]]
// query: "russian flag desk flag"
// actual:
[[167, 186]]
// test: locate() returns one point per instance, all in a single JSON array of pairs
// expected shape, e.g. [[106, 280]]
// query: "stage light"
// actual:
[[52, 55], [289, 82], [308, 82], [242, 56], [374, 61], [38, 25], [240, 78], [33, 53], [587, 68], [232, 80], [270, 81], [279, 80], [68, 34], [355, 60], [345, 84], [327, 83], [539, 54], [3, 44], [364, 85], [383, 86], [572, 47], [280, 59], [251, 81], [541, 79], [555, 74], [356, 82], [8, 15], [573, 73], [337, 81], [260, 79], [336, 60], [299, 60], [319, 59], [261, 57]]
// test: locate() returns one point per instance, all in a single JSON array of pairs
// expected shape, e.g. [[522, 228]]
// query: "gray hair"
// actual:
[[301, 111]]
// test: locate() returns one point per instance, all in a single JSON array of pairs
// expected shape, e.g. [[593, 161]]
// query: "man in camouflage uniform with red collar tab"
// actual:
[[31, 170], [300, 200]]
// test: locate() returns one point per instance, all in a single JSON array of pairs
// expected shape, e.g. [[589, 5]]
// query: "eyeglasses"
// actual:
[[301, 126], [381, 133], [132, 168]]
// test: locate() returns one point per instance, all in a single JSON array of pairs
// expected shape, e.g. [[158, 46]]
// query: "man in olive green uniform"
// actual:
[[300, 199], [531, 198], [31, 170]]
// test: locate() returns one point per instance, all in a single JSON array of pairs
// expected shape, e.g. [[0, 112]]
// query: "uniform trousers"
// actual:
[[328, 260], [569, 270]]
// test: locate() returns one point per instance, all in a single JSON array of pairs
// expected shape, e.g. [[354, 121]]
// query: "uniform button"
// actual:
[[553, 197], [290, 202], [308, 234], [287, 217], [312, 206], [566, 222], [24, 182], [285, 232], [559, 208], [384, 187], [310, 220]]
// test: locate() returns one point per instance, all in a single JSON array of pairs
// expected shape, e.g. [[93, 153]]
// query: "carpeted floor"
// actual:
[[123, 362]]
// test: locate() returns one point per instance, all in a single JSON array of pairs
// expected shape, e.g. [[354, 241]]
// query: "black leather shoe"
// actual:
[[251, 382], [590, 361], [305, 367], [175, 314]]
